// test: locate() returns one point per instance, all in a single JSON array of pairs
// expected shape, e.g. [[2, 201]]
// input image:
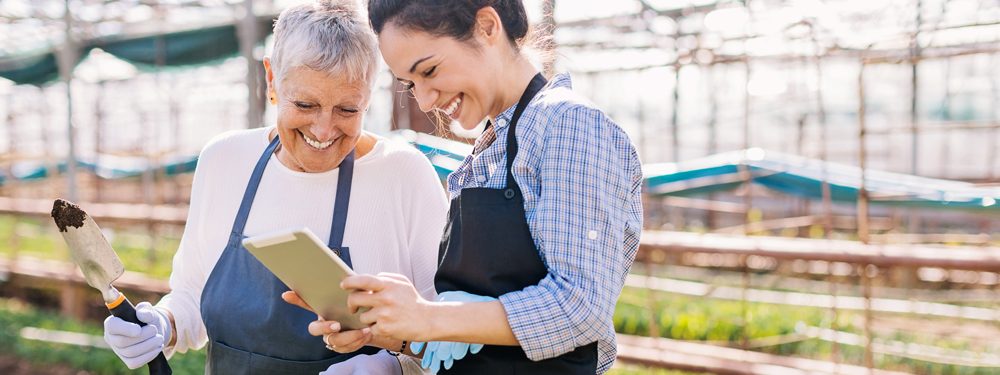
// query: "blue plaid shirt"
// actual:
[[581, 179]]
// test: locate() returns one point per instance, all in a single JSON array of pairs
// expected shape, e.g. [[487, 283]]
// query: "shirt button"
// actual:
[[481, 179], [592, 235], [501, 122]]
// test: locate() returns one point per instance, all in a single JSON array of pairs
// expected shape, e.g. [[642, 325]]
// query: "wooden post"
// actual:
[[744, 302], [72, 300], [651, 302], [868, 274], [834, 279]]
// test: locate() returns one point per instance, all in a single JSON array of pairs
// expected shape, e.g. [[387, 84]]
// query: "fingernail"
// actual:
[[335, 326], [366, 330]]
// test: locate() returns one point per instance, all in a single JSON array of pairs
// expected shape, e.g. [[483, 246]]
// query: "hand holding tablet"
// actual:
[[300, 260]]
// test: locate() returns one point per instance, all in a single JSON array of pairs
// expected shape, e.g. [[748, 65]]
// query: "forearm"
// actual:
[[472, 322]]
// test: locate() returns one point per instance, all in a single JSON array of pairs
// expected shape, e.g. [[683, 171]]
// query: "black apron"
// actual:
[[487, 250], [250, 329]]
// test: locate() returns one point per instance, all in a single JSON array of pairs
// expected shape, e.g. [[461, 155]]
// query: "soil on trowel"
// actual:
[[67, 214]]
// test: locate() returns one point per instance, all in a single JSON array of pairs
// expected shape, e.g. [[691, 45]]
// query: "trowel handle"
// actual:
[[123, 309]]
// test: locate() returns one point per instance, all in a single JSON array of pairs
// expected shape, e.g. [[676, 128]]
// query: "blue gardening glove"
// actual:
[[137, 346], [445, 353]]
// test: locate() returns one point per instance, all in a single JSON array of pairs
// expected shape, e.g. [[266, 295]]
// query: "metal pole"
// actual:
[[98, 125], [713, 105], [548, 34], [863, 234], [69, 61], [827, 196], [914, 222], [713, 131], [914, 61], [675, 142], [946, 132], [744, 168], [248, 40], [641, 119], [747, 176], [995, 117], [676, 215], [823, 153]]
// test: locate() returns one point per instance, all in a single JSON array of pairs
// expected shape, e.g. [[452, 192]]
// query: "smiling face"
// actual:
[[456, 78], [319, 117]]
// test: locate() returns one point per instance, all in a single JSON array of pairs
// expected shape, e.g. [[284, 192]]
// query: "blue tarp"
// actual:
[[446, 155], [176, 48], [788, 174], [108, 167], [803, 177]]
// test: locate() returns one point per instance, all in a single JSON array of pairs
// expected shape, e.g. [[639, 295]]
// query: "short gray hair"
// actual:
[[330, 36]]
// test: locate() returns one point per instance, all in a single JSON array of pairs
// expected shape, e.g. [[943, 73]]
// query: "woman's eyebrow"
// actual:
[[414, 67]]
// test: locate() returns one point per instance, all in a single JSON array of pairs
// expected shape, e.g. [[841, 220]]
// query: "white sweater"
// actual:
[[394, 224]]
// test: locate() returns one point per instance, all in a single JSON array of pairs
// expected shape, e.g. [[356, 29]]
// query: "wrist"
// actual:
[[400, 349], [383, 342], [437, 324], [171, 333]]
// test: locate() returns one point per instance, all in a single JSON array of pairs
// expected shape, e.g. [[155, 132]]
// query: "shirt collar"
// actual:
[[559, 80]]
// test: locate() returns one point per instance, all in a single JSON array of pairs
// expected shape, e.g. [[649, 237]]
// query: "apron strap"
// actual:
[[340, 206], [241, 216], [343, 198], [536, 84]]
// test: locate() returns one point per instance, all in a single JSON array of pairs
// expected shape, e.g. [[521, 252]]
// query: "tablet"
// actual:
[[300, 260]]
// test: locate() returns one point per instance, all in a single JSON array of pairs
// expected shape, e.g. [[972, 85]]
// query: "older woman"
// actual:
[[379, 202]]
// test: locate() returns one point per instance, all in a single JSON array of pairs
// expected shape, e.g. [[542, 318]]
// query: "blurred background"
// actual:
[[821, 175]]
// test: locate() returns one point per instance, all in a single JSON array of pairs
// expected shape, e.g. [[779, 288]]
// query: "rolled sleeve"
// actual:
[[579, 221]]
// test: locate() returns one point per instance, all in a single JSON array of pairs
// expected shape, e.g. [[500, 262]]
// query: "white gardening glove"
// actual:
[[363, 364], [444, 353], [135, 345]]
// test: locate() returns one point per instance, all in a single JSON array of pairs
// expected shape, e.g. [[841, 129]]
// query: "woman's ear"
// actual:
[[272, 95], [488, 27]]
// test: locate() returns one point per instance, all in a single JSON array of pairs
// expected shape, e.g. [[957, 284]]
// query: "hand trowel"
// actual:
[[99, 264]]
